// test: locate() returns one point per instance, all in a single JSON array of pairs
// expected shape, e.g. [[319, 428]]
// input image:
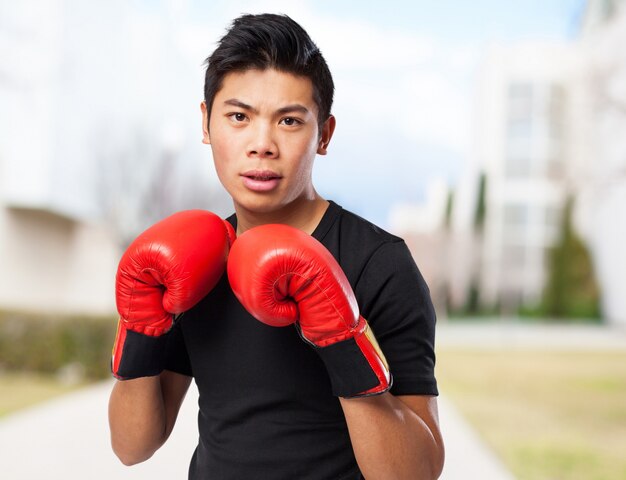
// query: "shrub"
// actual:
[[47, 343]]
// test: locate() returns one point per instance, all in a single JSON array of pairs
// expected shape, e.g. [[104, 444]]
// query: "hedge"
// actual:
[[49, 343]]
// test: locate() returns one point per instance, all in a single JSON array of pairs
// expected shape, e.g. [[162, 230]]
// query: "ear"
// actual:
[[326, 134], [205, 124]]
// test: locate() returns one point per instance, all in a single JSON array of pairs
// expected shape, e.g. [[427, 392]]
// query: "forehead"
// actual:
[[271, 88]]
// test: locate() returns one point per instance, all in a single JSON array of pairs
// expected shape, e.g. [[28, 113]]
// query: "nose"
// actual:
[[262, 143]]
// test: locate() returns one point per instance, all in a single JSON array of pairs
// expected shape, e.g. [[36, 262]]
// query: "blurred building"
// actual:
[[55, 263], [522, 145], [600, 127], [493, 252], [549, 124], [599, 13]]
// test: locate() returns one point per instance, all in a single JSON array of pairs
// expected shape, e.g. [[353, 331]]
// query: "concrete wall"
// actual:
[[52, 263]]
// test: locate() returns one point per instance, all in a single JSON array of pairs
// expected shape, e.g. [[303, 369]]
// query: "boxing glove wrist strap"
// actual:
[[137, 355], [356, 366]]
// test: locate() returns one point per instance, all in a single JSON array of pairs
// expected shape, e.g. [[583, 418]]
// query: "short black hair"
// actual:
[[267, 41]]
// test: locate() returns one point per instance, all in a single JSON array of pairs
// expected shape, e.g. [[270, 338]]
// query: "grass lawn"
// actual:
[[547, 414], [21, 390]]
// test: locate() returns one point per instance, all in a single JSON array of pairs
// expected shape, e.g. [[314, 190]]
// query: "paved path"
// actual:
[[68, 438]]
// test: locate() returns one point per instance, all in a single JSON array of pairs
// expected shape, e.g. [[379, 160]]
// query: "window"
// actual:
[[519, 129], [516, 216], [520, 101]]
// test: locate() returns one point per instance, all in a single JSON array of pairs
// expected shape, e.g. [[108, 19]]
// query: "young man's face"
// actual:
[[264, 135]]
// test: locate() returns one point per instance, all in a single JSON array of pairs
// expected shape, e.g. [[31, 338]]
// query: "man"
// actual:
[[340, 396]]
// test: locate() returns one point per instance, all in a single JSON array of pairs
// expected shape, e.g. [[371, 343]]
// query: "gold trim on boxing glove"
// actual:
[[372, 339]]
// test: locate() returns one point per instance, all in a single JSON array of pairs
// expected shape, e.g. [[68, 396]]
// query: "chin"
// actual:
[[260, 206]]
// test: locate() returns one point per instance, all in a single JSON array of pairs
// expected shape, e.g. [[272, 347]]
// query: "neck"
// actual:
[[303, 214]]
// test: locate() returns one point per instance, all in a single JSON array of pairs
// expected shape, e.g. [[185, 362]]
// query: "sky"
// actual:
[[404, 73]]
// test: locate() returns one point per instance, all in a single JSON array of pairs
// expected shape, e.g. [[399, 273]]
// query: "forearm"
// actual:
[[391, 441], [137, 419]]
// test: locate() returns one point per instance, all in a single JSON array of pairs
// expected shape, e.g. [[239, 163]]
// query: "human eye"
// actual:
[[237, 117], [291, 121]]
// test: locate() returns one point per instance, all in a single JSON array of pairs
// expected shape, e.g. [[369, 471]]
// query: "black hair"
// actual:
[[267, 41]]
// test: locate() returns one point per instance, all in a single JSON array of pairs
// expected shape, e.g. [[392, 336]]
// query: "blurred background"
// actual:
[[488, 134]]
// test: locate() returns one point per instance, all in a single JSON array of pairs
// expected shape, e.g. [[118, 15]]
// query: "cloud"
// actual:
[[362, 46], [424, 105], [387, 75]]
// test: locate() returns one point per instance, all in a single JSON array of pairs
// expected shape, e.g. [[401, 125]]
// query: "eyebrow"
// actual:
[[296, 107], [238, 103]]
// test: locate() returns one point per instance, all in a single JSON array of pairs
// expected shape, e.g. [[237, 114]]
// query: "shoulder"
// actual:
[[352, 234], [366, 232], [355, 241]]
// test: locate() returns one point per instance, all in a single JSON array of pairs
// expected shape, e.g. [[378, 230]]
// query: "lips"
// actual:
[[261, 180], [261, 175]]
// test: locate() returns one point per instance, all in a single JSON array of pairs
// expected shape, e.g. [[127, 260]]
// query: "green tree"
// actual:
[[481, 204], [473, 299], [571, 289], [447, 216]]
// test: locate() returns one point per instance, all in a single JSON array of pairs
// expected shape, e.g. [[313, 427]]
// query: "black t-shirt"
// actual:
[[266, 408]]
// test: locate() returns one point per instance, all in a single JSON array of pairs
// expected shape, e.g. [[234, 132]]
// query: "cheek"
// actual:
[[305, 147], [302, 174], [220, 160], [311, 152], [220, 147], [219, 152]]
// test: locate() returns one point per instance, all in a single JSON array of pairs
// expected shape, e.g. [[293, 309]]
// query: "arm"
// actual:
[[395, 437], [164, 272], [395, 298], [142, 414]]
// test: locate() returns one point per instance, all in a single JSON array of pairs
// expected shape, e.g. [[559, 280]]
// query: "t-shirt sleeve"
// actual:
[[177, 358], [395, 300]]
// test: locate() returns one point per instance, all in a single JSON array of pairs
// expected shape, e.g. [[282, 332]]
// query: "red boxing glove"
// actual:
[[281, 275], [165, 271]]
